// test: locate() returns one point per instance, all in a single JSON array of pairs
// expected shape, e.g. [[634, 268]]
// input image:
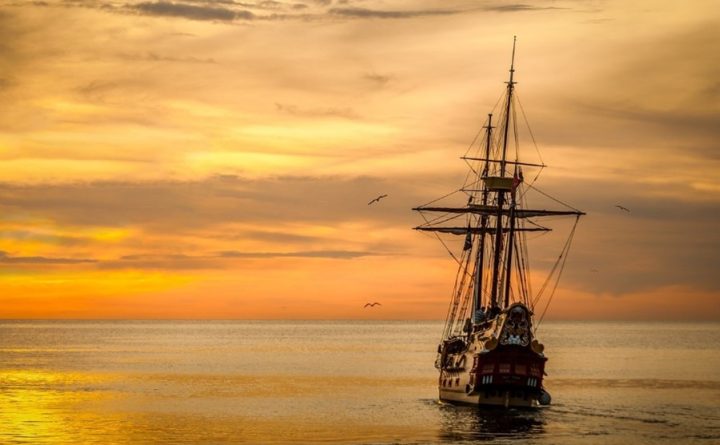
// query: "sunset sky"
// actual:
[[214, 158]]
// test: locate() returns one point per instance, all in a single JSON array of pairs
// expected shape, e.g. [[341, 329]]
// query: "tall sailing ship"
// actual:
[[489, 353]]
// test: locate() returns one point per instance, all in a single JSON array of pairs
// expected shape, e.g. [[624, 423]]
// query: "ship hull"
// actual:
[[497, 364], [494, 398], [495, 380]]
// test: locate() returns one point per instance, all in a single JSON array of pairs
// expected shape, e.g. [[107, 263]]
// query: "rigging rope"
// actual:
[[451, 307], [452, 255], [458, 292], [564, 255], [527, 123], [554, 199], [526, 257]]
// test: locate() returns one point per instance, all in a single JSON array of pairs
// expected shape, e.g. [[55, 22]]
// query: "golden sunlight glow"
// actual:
[[177, 165]]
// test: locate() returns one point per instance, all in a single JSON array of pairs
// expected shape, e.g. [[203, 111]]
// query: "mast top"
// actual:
[[512, 61], [489, 125]]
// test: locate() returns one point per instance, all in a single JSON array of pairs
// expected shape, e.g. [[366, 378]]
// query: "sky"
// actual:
[[213, 159]]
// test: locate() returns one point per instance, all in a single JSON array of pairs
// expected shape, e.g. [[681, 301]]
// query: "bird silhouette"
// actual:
[[622, 208], [372, 304], [377, 199]]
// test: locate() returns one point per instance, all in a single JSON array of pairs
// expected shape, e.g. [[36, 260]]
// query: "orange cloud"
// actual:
[[161, 169]]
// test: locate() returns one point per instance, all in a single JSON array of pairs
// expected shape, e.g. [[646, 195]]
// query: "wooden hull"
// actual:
[[497, 364], [509, 376], [507, 398]]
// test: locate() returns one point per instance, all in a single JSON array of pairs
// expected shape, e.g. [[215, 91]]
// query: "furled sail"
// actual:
[[464, 230], [488, 210]]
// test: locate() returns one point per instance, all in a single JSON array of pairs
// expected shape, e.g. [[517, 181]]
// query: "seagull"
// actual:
[[622, 208], [377, 199], [372, 304]]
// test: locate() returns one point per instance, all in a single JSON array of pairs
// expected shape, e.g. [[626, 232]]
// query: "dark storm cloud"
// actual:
[[163, 8], [20, 260]]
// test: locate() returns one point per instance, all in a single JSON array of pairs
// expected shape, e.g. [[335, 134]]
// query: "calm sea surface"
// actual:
[[347, 382]]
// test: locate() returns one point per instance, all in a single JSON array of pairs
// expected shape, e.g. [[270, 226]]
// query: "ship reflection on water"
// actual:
[[473, 424]]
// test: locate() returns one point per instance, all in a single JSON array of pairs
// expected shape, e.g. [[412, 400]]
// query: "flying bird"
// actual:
[[622, 208], [377, 199], [372, 304]]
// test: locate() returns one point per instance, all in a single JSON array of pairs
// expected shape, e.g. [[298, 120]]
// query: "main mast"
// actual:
[[501, 195]]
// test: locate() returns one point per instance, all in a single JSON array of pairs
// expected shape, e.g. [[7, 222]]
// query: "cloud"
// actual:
[[7, 259], [166, 262], [170, 9], [271, 4], [217, 200], [341, 254], [276, 237], [666, 239], [336, 254], [378, 79], [42, 237], [219, 260], [636, 128], [346, 113], [517, 7], [154, 57], [670, 105], [364, 13], [219, 2]]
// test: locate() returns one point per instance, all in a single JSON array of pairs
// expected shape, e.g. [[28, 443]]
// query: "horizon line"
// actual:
[[564, 320]]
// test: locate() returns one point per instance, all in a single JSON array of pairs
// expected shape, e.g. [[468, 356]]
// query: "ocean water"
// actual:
[[121, 382]]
